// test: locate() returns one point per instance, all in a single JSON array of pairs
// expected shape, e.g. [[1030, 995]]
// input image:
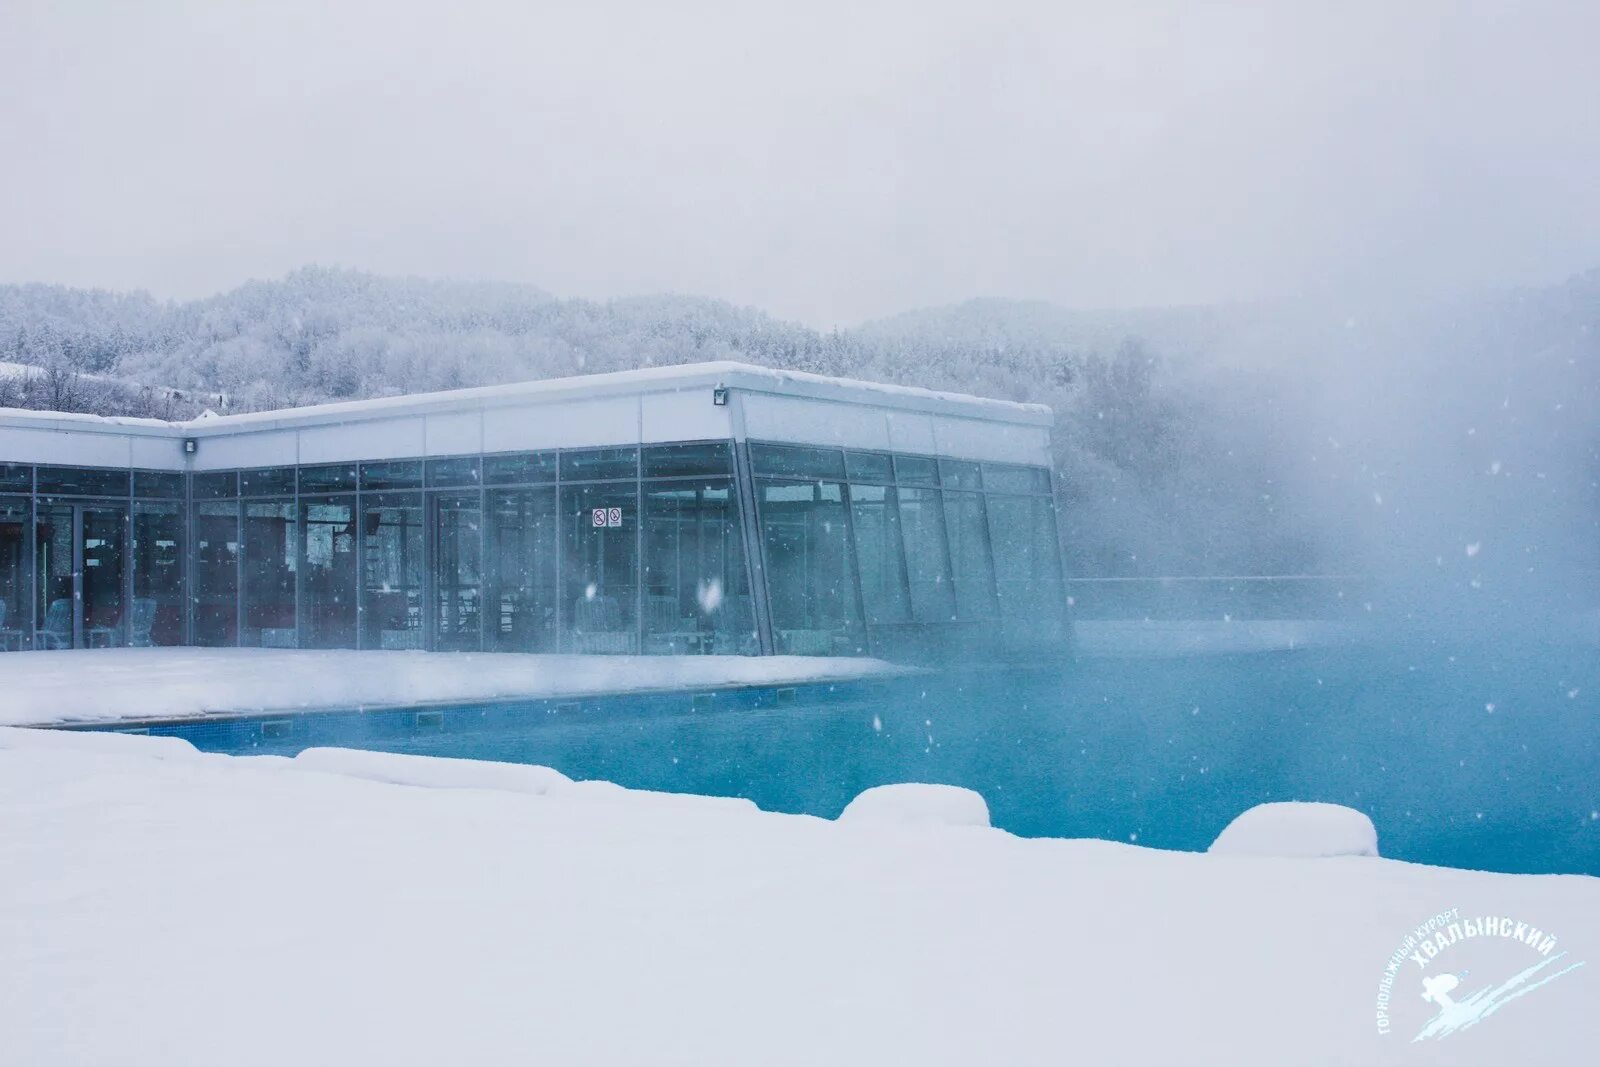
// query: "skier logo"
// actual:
[[1495, 941]]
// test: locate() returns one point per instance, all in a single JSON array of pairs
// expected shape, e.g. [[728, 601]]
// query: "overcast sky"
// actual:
[[827, 162]]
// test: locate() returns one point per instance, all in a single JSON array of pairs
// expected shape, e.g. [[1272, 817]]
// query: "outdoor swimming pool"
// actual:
[[1470, 755]]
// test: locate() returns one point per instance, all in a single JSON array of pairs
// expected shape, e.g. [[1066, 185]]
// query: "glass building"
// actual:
[[711, 508]]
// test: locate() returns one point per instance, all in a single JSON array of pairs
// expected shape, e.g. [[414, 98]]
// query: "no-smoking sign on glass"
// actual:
[[604, 517]]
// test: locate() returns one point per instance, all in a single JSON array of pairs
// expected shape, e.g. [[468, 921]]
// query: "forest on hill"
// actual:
[[1247, 439]]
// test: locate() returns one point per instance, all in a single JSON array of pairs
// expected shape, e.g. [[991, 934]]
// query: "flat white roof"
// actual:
[[739, 376]]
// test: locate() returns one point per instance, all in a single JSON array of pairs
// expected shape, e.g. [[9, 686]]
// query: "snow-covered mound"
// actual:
[[161, 904], [917, 804], [1298, 831]]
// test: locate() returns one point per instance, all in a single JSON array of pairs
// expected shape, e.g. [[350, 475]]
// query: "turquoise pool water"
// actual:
[[1478, 755]]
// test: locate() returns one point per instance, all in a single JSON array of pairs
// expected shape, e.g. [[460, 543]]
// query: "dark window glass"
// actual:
[[524, 539], [455, 470], [392, 474], [1007, 478], [868, 467], [600, 564], [156, 616], [82, 481], [815, 611], [519, 467], [16, 478], [792, 462], [599, 463], [269, 481], [916, 470], [927, 555], [457, 570], [14, 621], [955, 474], [392, 570], [216, 570], [697, 597], [669, 461], [331, 478], [271, 560], [970, 565], [328, 602], [880, 553], [216, 485], [166, 485]]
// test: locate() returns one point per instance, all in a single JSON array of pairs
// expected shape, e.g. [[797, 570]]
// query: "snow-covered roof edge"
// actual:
[[553, 390]]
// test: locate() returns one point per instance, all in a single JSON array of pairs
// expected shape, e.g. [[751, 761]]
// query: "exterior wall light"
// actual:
[[719, 396], [191, 445]]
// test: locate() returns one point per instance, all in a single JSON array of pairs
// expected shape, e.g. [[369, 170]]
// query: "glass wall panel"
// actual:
[[455, 470], [869, 467], [216, 572], [271, 561], [676, 461], [697, 597], [392, 571], [600, 563], [156, 615], [795, 462], [524, 538], [104, 533], [268, 481], [167, 485], [457, 571], [597, 463], [927, 555], [332, 478], [957, 474], [392, 474], [916, 470], [328, 593], [1027, 562], [215, 485], [815, 611], [83, 481], [16, 478], [970, 566], [54, 577], [15, 610], [515, 468], [880, 554], [1009, 478]]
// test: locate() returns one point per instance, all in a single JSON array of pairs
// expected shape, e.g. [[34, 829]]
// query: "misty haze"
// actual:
[[531, 471]]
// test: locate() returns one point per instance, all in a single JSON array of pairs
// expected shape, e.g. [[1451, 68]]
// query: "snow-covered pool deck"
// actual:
[[161, 907], [110, 685]]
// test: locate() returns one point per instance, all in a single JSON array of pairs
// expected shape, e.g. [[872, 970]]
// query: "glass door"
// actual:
[[81, 561]]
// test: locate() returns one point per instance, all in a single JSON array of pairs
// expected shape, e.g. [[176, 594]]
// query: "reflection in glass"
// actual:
[[880, 556], [697, 597], [927, 557], [815, 611], [328, 605], [600, 562], [523, 538], [156, 615], [15, 611], [392, 571], [458, 571], [970, 567], [271, 558], [216, 573]]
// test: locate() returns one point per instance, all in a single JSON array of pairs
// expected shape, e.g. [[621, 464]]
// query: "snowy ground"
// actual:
[[132, 683], [159, 907]]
